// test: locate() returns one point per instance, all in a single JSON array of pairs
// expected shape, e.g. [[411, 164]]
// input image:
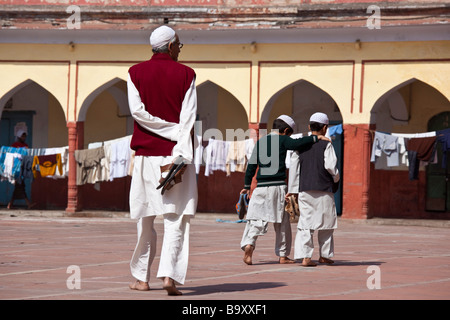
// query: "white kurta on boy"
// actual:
[[317, 208]]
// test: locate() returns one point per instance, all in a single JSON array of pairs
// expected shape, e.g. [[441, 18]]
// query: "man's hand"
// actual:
[[286, 197], [321, 137], [244, 191]]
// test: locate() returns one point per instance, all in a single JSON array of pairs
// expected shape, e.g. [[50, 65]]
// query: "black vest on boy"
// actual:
[[313, 175]]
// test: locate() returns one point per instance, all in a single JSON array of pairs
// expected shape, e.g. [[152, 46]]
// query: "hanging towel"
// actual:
[[419, 149], [119, 158], [219, 155], [236, 157], [16, 163], [216, 156], [12, 166]]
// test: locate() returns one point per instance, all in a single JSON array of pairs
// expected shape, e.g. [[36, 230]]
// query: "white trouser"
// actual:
[[283, 234], [304, 245], [174, 253]]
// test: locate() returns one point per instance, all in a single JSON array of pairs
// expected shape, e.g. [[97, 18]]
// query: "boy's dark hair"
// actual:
[[316, 126], [281, 126]]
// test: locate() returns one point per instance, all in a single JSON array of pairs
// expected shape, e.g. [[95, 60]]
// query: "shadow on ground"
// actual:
[[230, 287]]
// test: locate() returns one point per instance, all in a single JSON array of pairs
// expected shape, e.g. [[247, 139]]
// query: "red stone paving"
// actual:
[[35, 252]]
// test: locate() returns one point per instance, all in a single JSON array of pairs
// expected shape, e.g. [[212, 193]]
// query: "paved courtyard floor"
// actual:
[[41, 257]]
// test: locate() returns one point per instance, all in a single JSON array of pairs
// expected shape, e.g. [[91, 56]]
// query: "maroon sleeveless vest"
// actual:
[[162, 84]]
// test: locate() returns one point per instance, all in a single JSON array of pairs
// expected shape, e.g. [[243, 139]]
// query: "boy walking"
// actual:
[[314, 176], [267, 201]]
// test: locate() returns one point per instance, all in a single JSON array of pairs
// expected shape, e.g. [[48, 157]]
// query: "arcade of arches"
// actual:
[[82, 100]]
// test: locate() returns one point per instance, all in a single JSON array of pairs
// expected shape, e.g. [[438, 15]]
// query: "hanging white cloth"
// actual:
[[9, 165], [119, 158], [236, 157], [216, 156], [198, 153]]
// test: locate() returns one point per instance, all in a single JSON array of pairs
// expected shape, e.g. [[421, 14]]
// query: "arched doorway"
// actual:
[[300, 100], [105, 113], [33, 108], [218, 113], [105, 116], [438, 174], [412, 107], [218, 109]]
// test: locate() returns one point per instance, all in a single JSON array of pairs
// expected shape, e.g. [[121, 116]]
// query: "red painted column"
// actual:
[[356, 171], [254, 128], [76, 137]]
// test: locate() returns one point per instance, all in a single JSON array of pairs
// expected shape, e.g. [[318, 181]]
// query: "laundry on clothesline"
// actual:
[[334, 130], [23, 163], [411, 150], [33, 169], [47, 165], [10, 162], [105, 161], [114, 159], [226, 156]]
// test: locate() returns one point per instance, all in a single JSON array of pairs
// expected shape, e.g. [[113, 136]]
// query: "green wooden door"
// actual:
[[438, 178], [8, 121]]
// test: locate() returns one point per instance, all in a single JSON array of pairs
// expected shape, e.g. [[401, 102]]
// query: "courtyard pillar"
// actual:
[[356, 171], [76, 137]]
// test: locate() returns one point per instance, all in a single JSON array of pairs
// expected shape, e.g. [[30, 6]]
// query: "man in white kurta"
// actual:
[[318, 169], [178, 204]]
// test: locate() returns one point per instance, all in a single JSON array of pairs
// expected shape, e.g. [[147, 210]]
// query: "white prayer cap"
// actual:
[[20, 132], [320, 118], [289, 121], [161, 36]]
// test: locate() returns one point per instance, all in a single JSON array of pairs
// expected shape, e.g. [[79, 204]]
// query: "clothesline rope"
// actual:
[[412, 150]]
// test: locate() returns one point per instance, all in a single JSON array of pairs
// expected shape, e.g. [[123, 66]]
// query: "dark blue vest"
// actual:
[[313, 175]]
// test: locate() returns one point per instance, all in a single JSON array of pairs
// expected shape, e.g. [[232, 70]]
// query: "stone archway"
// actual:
[[408, 108], [300, 100]]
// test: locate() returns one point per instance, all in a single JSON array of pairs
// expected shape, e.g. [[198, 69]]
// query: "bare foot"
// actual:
[[248, 252], [139, 285], [285, 260], [325, 260], [169, 285], [307, 263]]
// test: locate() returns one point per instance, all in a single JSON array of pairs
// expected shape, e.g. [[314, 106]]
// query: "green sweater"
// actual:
[[272, 163]]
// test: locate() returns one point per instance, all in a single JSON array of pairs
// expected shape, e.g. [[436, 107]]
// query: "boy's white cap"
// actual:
[[289, 121], [320, 118], [161, 36]]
